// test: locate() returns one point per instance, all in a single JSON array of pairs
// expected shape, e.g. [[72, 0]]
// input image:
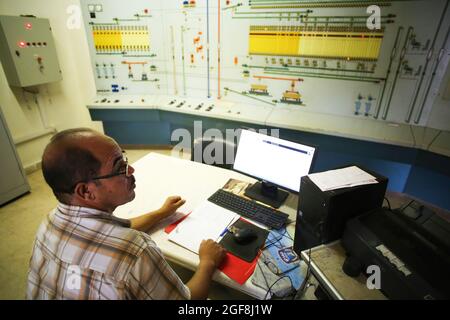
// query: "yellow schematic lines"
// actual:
[[334, 42], [121, 38]]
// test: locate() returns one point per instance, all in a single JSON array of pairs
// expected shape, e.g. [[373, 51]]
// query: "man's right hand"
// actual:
[[211, 256], [211, 253]]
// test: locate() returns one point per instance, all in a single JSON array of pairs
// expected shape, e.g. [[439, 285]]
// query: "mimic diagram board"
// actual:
[[317, 56]]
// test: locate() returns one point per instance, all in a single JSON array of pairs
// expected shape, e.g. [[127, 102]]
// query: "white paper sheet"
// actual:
[[165, 222], [341, 178], [207, 221]]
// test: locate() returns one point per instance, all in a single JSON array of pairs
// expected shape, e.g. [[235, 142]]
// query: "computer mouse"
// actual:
[[244, 236]]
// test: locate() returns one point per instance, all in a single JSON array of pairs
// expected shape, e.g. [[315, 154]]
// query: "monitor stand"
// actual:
[[267, 193]]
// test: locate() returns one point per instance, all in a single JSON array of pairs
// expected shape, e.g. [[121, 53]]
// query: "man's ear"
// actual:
[[83, 191]]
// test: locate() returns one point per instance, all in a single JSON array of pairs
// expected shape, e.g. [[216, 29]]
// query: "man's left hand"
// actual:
[[171, 205]]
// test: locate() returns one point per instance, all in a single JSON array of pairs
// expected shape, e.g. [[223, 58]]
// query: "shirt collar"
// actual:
[[91, 213]]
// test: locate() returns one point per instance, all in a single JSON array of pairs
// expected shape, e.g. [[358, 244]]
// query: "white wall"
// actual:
[[63, 103]]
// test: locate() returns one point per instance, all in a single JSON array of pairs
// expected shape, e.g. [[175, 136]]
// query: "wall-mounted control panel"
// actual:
[[327, 57], [28, 53]]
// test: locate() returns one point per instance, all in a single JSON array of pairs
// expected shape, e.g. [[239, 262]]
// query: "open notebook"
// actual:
[[207, 221]]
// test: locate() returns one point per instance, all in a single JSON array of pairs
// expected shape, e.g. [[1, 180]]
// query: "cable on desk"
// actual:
[[265, 280], [409, 203], [301, 290], [278, 240], [285, 234], [389, 204], [270, 288], [432, 141]]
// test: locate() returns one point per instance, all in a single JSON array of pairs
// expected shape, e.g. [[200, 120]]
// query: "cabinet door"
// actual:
[[13, 182]]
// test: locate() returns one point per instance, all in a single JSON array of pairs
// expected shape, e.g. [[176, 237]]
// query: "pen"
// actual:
[[226, 228], [224, 231]]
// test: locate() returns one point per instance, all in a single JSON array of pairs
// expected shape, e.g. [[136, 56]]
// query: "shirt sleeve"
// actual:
[[152, 278]]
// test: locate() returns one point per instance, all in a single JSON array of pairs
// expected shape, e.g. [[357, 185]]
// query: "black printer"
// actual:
[[410, 245]]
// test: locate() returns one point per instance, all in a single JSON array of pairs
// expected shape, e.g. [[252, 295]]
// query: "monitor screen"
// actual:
[[275, 160]]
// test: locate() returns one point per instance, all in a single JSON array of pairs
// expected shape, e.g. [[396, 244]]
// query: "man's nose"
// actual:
[[130, 170]]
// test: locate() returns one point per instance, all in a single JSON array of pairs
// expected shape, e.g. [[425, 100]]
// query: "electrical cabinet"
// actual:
[[28, 51], [13, 182]]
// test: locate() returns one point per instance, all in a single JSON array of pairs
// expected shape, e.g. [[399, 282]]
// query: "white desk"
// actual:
[[158, 176]]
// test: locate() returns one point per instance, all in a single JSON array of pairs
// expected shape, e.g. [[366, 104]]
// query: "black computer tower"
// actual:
[[321, 215]]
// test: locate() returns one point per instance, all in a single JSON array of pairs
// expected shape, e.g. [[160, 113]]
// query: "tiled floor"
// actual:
[[19, 221]]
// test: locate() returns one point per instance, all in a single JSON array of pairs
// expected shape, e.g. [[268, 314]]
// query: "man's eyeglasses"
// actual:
[[124, 169]]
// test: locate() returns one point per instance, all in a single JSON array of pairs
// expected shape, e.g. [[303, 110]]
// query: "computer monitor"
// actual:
[[276, 162]]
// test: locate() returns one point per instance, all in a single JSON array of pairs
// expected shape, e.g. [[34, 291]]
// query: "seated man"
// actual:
[[82, 251]]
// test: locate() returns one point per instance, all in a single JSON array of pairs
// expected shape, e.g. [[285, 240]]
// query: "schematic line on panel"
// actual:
[[391, 60], [207, 47], [326, 76], [172, 39], [218, 48], [138, 16], [245, 94], [289, 4], [288, 68], [438, 60], [419, 114], [402, 56], [232, 7], [182, 59]]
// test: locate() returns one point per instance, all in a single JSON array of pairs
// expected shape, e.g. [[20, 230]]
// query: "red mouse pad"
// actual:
[[245, 250]]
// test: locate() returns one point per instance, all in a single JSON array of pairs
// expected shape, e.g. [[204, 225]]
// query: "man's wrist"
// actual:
[[207, 265], [162, 213]]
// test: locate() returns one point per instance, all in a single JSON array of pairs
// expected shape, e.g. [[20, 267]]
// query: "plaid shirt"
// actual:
[[83, 253]]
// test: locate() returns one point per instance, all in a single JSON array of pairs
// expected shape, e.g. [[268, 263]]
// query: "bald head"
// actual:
[[71, 157]]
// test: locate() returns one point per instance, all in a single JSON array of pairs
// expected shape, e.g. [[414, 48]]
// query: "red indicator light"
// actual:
[[22, 44], [28, 26]]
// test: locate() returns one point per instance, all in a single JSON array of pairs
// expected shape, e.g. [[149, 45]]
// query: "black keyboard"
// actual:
[[249, 209]]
